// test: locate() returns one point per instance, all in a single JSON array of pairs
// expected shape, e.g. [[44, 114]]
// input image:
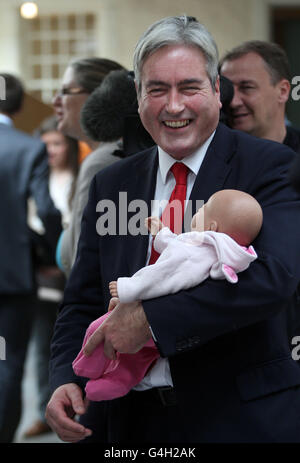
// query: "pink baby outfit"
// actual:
[[185, 260], [110, 379]]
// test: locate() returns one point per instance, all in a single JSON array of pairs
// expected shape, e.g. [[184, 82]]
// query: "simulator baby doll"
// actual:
[[218, 246]]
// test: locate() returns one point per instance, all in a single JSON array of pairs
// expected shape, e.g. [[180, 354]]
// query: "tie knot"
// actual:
[[180, 172]]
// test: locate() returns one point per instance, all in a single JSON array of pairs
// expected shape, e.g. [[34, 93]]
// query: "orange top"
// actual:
[[84, 151]]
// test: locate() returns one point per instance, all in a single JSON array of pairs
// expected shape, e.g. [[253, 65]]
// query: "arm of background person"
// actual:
[[39, 190], [82, 194], [89, 168], [68, 245]]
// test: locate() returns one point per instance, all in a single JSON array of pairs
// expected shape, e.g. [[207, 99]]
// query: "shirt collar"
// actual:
[[193, 162], [6, 120]]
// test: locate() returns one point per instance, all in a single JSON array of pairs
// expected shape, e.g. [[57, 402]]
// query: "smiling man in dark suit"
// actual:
[[23, 173], [225, 372]]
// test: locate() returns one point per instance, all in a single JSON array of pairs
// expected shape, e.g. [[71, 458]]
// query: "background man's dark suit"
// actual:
[[228, 348], [23, 173]]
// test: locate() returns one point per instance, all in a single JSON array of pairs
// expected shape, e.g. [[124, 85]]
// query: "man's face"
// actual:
[[67, 107], [255, 105], [177, 104]]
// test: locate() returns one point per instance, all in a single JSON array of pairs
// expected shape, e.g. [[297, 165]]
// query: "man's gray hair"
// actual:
[[176, 30]]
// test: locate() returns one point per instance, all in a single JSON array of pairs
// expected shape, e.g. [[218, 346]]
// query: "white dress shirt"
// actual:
[[160, 375]]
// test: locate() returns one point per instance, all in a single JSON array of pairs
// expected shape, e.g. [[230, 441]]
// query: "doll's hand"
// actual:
[[154, 225], [113, 288]]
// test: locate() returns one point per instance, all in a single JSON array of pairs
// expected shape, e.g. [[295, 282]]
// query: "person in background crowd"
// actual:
[[63, 163], [80, 79], [23, 174], [249, 387], [260, 74]]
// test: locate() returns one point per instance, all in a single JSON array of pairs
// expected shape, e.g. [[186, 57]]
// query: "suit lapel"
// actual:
[[215, 167], [139, 185]]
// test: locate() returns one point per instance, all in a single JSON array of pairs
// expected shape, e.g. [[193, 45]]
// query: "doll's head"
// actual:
[[233, 212]]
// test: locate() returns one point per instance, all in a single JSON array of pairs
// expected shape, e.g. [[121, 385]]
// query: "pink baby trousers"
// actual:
[[109, 379]]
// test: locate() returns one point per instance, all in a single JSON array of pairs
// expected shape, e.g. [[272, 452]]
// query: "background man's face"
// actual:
[[177, 104], [255, 102]]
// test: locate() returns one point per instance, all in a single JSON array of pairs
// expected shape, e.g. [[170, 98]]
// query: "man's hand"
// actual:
[[113, 303], [154, 225], [126, 330], [64, 404]]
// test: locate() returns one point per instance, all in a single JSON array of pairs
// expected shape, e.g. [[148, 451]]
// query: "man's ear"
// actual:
[[218, 90], [213, 226], [284, 88]]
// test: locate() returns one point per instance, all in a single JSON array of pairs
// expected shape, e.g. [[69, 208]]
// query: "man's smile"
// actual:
[[239, 116], [177, 124]]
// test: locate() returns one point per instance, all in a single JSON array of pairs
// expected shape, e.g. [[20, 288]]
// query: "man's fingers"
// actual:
[[96, 338], [77, 402], [109, 351], [68, 429], [113, 303], [63, 405]]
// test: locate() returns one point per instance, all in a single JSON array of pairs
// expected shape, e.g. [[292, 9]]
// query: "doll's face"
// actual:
[[198, 220], [205, 218]]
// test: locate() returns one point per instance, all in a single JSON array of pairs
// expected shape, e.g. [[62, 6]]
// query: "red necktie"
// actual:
[[173, 213]]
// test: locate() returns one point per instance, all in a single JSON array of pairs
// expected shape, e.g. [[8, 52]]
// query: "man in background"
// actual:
[[23, 174], [260, 74]]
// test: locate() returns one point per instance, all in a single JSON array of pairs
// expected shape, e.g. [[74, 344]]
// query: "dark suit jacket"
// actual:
[[23, 173], [227, 344], [292, 139]]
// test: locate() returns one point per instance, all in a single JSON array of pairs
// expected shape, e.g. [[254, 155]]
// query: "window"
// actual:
[[50, 42]]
